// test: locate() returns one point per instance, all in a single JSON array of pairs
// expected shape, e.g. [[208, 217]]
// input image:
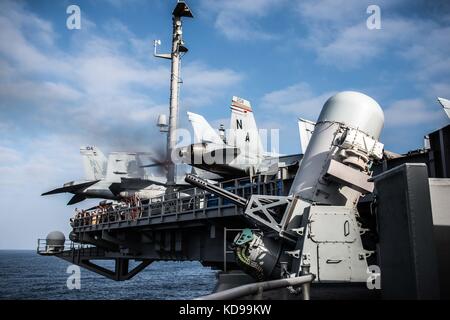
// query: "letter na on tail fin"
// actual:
[[94, 162], [243, 132]]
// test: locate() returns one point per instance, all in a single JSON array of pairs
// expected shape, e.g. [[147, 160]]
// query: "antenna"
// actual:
[[178, 49], [157, 43]]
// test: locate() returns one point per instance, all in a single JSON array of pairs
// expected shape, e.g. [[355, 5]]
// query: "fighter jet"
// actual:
[[239, 153], [119, 176]]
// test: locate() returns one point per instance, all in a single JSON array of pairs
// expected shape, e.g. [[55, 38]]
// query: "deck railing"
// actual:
[[45, 247], [193, 200]]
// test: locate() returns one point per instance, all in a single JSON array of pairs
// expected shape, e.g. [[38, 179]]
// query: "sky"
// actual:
[[61, 89]]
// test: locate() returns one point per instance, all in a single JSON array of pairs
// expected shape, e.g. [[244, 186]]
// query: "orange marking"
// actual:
[[240, 106]]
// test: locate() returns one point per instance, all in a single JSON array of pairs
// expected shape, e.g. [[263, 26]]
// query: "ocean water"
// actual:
[[26, 275]]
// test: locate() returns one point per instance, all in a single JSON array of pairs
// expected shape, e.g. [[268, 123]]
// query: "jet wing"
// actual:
[[128, 184], [134, 183], [71, 187], [116, 188], [76, 198]]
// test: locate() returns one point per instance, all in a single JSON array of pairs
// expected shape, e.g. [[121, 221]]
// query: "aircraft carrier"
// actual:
[[345, 219]]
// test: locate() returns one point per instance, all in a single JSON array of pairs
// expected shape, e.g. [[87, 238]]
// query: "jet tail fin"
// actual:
[[203, 132], [76, 198], [446, 105], [243, 130], [94, 162], [123, 165], [306, 129]]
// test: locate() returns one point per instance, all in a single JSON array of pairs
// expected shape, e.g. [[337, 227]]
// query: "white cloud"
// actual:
[[280, 109], [337, 33], [121, 3], [108, 73], [39, 162], [202, 84], [237, 19], [331, 11], [410, 112], [9, 155], [298, 100], [239, 27], [103, 82], [341, 13], [410, 50], [45, 92], [428, 50], [439, 89], [29, 168], [355, 46], [17, 28]]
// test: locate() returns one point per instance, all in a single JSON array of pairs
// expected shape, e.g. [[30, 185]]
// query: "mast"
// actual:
[[178, 49]]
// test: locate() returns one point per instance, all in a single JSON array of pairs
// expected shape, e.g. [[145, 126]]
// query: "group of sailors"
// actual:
[[129, 208]]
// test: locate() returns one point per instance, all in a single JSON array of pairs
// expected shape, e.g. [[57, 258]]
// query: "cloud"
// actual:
[[203, 84], [336, 31], [280, 109], [18, 27], [38, 162], [298, 100], [428, 51], [439, 89], [301, 101], [237, 19], [9, 155], [237, 27], [121, 3], [411, 112], [330, 11], [356, 45], [410, 50], [106, 88], [46, 92], [29, 167]]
